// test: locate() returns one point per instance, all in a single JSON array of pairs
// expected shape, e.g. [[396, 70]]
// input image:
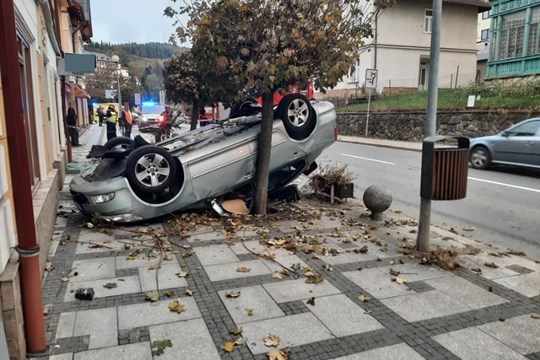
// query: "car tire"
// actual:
[[480, 158], [150, 169], [297, 115], [118, 144]]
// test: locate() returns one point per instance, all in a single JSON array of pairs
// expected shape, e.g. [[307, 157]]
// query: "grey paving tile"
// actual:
[[190, 340], [124, 285], [473, 344], [394, 352], [284, 258], [68, 356], [377, 282], [342, 316], [100, 324], [145, 314], [416, 272], [465, 292], [253, 297], [87, 238], [425, 305], [93, 269], [215, 254], [228, 271], [293, 330], [122, 262], [291, 290], [239, 249], [350, 257], [66, 325], [526, 284], [167, 277], [478, 261], [521, 333], [137, 351], [206, 236]]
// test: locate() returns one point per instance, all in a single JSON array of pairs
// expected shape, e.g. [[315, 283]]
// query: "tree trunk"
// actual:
[[263, 154], [194, 115]]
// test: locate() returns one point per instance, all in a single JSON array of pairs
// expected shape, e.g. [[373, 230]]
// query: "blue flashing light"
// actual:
[[148, 103]]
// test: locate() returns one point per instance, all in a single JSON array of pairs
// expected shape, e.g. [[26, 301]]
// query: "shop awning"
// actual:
[[80, 93]]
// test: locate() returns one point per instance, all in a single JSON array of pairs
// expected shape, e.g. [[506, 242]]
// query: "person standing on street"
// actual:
[[100, 114], [112, 119], [72, 124], [128, 122]]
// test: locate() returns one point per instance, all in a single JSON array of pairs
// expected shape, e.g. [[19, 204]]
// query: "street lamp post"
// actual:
[[116, 59]]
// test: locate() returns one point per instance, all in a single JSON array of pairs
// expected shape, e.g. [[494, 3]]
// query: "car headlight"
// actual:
[[123, 218], [99, 199], [144, 119]]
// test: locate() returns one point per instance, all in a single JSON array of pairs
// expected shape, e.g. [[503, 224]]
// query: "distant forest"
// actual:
[[151, 50]]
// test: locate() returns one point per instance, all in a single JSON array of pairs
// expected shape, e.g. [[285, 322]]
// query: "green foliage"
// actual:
[[493, 95], [159, 346], [152, 50]]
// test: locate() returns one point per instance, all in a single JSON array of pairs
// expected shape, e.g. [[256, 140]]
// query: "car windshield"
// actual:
[[153, 109]]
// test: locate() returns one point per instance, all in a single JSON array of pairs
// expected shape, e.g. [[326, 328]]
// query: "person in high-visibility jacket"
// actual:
[[111, 120]]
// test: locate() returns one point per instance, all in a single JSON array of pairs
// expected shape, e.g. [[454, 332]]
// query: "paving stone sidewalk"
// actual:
[[424, 312]]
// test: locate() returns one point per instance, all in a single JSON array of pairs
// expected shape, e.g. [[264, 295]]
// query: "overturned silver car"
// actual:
[[135, 181]]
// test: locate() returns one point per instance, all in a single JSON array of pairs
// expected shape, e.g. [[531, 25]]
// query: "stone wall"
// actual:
[[409, 126]]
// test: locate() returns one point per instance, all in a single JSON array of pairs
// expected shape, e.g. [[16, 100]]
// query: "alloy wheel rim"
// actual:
[[298, 112], [152, 170], [479, 158]]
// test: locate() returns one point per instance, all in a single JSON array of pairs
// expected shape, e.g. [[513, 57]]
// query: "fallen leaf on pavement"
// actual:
[[189, 292], [243, 269], [364, 298], [400, 280], [280, 274], [311, 301], [158, 346], [535, 316], [176, 306], [228, 346], [232, 294], [132, 257], [394, 272], [110, 285], [267, 254], [491, 265], [154, 267], [315, 279], [152, 296], [182, 274], [169, 293], [249, 312], [271, 340], [278, 354], [237, 331]]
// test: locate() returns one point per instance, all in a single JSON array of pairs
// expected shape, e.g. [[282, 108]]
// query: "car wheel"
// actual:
[[118, 144], [150, 169], [480, 157], [297, 115]]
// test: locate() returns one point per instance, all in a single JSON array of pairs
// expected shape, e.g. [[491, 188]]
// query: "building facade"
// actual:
[[33, 153], [400, 49], [515, 39]]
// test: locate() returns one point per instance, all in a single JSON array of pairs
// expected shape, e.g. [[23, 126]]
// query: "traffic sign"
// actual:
[[371, 78]]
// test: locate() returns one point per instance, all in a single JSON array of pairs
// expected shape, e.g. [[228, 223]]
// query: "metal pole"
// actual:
[[368, 105], [119, 94], [424, 223]]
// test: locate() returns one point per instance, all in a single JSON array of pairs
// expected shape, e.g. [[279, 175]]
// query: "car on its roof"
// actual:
[[136, 181], [519, 145]]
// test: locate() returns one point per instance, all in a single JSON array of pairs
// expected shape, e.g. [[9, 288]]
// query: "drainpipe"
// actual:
[[28, 249], [49, 22]]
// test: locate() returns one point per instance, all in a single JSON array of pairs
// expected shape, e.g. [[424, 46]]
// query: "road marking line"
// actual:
[[368, 159], [503, 184]]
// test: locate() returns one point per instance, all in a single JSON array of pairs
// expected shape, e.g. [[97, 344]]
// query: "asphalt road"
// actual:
[[502, 206]]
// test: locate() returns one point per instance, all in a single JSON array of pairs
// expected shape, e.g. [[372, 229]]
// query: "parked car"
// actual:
[[136, 181], [149, 116], [519, 145]]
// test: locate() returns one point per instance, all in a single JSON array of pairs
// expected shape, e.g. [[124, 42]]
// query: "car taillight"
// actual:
[[335, 133], [160, 119]]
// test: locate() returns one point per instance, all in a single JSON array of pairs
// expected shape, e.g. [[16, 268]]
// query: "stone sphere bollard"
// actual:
[[377, 199]]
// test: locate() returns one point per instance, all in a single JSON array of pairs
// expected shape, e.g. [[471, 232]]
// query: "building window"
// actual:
[[354, 73], [484, 35], [533, 46], [428, 19], [486, 14], [511, 35]]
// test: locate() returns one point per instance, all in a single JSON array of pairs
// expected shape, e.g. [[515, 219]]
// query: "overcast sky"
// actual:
[[122, 21]]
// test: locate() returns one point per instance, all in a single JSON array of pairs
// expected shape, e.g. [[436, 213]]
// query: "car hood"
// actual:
[[151, 116]]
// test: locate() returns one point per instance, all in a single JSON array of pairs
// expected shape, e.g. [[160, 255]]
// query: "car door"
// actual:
[[520, 144]]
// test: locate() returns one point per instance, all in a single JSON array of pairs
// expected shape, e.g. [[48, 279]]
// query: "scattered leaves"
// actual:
[[110, 285], [243, 269], [491, 265], [278, 354], [314, 278], [169, 293], [394, 272], [311, 301], [152, 296], [159, 346], [249, 311], [272, 340], [232, 294], [515, 252], [176, 306], [182, 274], [363, 298], [237, 331], [228, 346], [280, 274], [399, 280]]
